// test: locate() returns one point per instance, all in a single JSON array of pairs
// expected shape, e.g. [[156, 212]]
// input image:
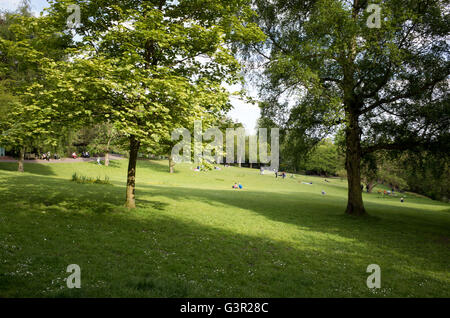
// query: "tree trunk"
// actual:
[[106, 159], [355, 204], [131, 178], [370, 185], [21, 159], [171, 164], [107, 153]]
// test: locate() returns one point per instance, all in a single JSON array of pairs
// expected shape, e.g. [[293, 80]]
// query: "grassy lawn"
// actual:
[[192, 235]]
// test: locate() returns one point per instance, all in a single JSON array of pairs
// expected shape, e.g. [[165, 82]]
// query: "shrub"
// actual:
[[83, 179]]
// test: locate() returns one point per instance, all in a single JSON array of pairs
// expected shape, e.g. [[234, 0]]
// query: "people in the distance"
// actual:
[[237, 186]]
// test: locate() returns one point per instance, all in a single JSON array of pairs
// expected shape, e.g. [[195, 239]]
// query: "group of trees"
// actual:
[[27, 45], [142, 68], [423, 172], [102, 138]]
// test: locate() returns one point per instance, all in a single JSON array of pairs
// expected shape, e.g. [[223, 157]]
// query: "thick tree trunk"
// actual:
[[353, 105], [131, 178], [21, 159], [171, 164], [355, 204]]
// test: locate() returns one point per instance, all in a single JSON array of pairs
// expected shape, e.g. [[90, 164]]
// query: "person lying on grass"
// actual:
[[237, 186]]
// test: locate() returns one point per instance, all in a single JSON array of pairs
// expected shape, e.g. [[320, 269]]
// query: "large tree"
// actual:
[[329, 67], [140, 64]]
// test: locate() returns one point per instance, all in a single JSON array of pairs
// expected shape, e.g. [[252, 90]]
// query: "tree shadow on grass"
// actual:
[[34, 168], [391, 230], [124, 256], [112, 163], [383, 237], [156, 166], [57, 194], [156, 205]]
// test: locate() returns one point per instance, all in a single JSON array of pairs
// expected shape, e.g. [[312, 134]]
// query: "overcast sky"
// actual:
[[36, 5], [245, 113]]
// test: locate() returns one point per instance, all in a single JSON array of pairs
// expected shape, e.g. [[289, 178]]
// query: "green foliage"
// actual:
[[100, 138], [426, 173], [144, 74], [27, 45], [392, 180], [323, 160]]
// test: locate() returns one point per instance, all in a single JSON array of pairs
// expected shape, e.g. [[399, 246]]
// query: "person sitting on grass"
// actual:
[[240, 185], [235, 186]]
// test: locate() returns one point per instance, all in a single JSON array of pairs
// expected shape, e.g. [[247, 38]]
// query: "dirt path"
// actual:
[[62, 160]]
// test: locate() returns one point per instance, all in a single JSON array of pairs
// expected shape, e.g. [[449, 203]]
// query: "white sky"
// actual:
[[245, 113], [36, 5]]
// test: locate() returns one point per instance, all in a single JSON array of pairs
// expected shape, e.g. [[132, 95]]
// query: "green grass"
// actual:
[[192, 235]]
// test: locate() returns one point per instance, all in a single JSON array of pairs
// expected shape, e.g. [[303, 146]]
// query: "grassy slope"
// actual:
[[192, 235]]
